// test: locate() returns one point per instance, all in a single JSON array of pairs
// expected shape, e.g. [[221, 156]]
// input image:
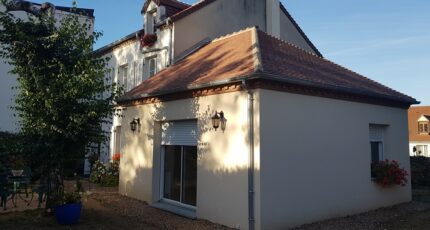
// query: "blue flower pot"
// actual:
[[68, 214]]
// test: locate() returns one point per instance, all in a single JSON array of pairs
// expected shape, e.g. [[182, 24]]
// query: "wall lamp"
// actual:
[[219, 120], [135, 124]]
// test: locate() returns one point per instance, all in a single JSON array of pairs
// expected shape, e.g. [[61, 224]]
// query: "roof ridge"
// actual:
[[256, 51], [290, 44], [329, 61]]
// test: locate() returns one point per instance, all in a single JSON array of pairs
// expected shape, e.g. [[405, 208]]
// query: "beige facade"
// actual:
[[316, 158], [222, 156], [314, 162]]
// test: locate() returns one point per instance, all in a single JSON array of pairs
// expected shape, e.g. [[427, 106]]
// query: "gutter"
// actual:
[[251, 167]]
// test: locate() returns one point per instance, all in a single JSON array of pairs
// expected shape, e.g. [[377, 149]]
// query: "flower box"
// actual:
[[148, 40]]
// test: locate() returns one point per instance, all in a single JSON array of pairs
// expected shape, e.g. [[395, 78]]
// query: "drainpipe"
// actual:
[[170, 25], [251, 217]]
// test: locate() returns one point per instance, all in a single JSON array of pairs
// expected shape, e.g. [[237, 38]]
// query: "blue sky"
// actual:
[[385, 40]]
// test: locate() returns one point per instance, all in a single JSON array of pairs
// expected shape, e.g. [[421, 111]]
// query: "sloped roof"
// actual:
[[253, 54], [414, 113]]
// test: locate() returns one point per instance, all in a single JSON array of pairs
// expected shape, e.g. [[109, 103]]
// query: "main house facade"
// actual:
[[232, 115], [419, 133]]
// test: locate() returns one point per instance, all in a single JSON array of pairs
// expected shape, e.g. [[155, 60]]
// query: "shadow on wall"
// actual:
[[219, 153]]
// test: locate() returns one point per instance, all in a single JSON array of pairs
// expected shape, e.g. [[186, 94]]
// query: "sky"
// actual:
[[385, 40]]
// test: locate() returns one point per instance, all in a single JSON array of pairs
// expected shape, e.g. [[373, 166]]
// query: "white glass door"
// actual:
[[180, 174]]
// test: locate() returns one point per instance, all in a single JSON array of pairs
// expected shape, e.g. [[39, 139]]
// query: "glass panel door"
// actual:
[[180, 174], [189, 183], [172, 172]]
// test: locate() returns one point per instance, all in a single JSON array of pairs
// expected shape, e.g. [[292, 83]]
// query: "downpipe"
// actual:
[[250, 105]]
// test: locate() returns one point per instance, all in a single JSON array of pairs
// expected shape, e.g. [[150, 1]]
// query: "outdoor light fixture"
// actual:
[[219, 120], [135, 124]]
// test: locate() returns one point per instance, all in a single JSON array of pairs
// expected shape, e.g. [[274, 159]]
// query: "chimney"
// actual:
[[273, 20]]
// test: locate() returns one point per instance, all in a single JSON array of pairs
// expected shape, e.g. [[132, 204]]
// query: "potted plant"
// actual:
[[69, 205], [148, 40], [389, 173]]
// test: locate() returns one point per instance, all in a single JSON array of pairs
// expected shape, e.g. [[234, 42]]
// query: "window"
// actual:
[[122, 76], [152, 68], [376, 138], [421, 150], [423, 127], [151, 21]]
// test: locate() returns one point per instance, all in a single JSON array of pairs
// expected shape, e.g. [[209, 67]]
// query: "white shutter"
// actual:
[[179, 133], [376, 132]]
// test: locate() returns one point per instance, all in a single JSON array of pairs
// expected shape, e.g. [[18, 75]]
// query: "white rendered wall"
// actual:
[[315, 158], [222, 184], [290, 33]]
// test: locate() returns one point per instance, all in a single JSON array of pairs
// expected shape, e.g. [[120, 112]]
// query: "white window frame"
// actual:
[[380, 139], [424, 149], [167, 200], [425, 129], [123, 76], [154, 71]]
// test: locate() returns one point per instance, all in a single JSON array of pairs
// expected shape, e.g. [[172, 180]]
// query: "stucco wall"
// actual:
[[216, 19], [291, 34], [315, 158], [222, 185]]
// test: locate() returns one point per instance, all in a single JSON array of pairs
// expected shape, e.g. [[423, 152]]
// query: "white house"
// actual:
[[233, 116], [8, 122], [182, 29], [419, 133]]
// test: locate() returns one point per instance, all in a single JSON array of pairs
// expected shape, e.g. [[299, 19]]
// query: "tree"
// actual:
[[64, 98]]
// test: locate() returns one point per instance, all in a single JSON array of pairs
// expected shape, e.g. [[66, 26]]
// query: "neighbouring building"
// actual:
[[9, 122], [232, 115], [419, 133]]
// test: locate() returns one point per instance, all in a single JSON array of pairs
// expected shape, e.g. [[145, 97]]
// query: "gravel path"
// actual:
[[106, 209], [150, 216], [413, 215]]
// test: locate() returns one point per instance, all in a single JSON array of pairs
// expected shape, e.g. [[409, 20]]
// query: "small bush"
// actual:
[[105, 175]]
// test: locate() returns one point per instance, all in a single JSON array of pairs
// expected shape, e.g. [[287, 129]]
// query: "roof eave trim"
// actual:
[[345, 90]]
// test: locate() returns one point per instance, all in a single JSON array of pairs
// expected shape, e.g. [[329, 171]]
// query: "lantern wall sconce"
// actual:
[[219, 120], [135, 124]]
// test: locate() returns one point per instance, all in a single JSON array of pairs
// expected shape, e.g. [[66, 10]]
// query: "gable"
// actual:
[[291, 32], [424, 118]]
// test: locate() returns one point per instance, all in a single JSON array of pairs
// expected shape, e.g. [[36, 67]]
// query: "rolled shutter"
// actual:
[[179, 133], [376, 132]]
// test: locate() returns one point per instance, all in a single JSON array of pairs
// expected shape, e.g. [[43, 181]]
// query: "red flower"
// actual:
[[148, 40], [389, 173], [116, 157]]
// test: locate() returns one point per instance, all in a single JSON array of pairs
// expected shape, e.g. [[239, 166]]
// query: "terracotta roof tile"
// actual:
[[241, 55], [414, 113], [283, 59], [221, 59]]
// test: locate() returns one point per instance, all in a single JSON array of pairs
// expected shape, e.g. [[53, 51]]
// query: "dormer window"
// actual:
[[423, 127], [423, 124], [151, 17]]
